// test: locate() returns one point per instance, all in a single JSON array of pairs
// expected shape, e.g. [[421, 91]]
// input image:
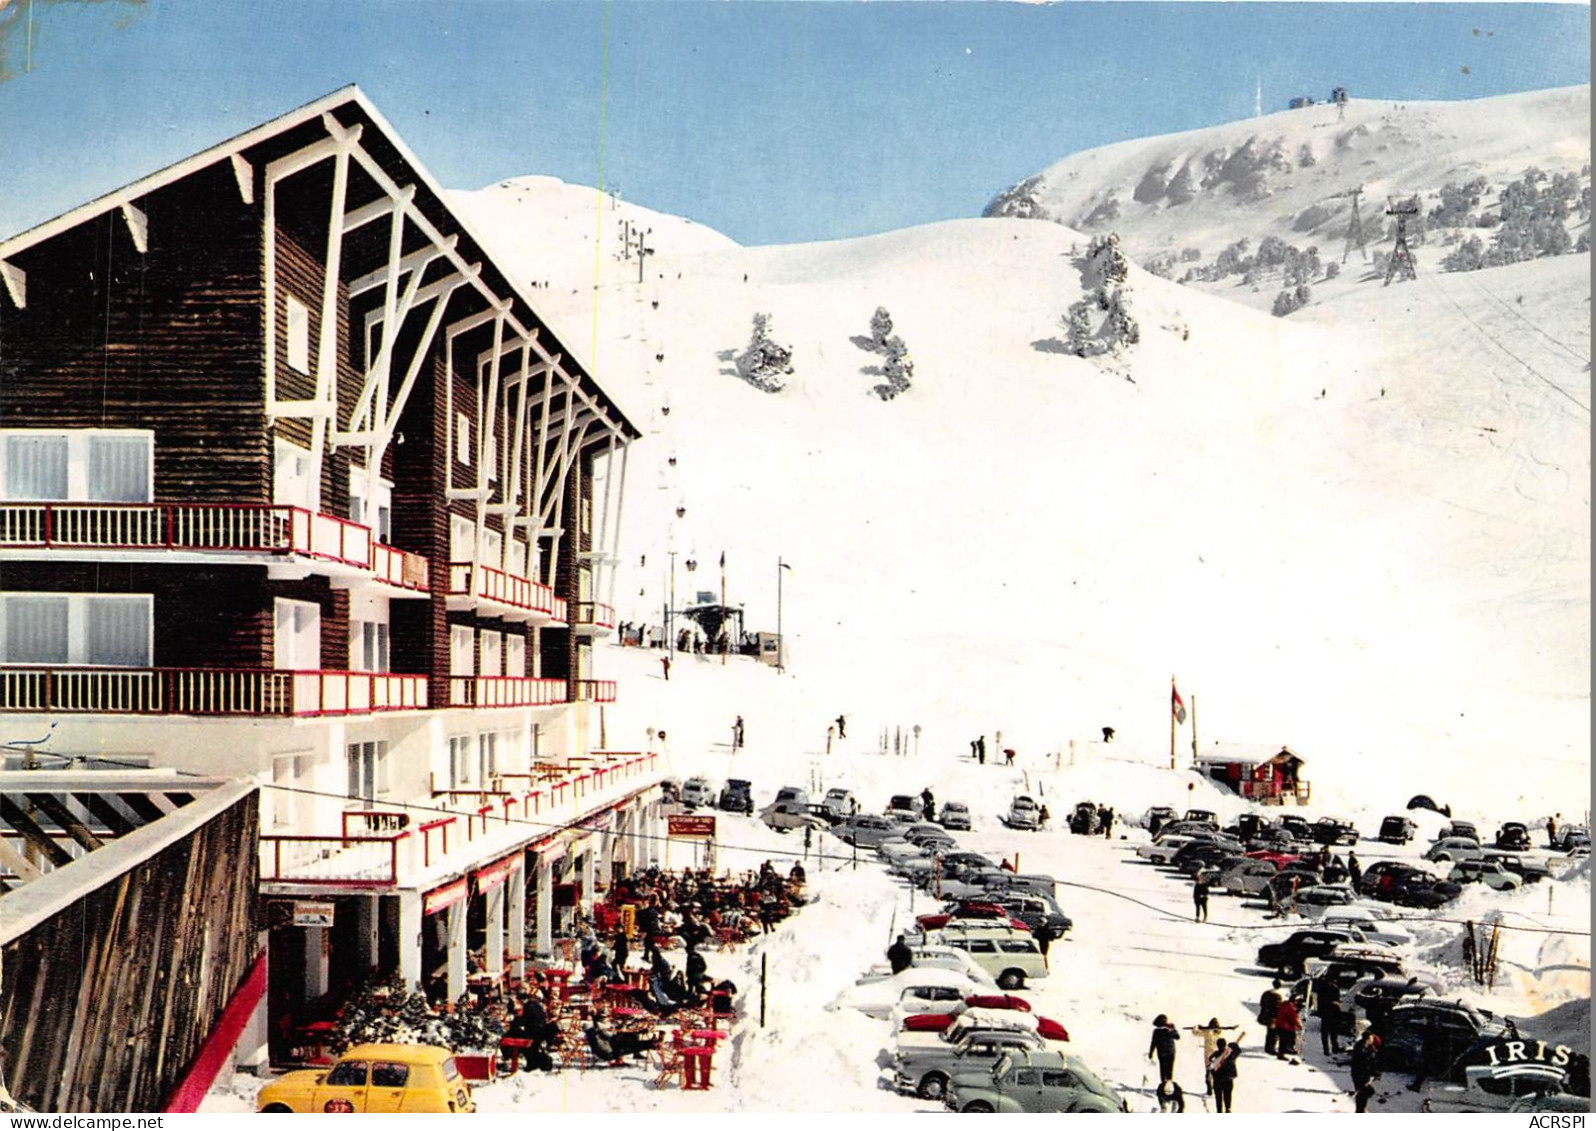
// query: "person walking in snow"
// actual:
[[1289, 1022], [1211, 1035], [1008, 755], [1354, 869], [928, 804], [1268, 1010], [1171, 1100], [1222, 1068], [665, 663], [1199, 896], [1365, 1058], [899, 956], [1163, 1047], [842, 726], [737, 733], [980, 749]]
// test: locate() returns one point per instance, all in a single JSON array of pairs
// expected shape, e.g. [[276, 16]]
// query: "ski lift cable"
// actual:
[[1522, 317]]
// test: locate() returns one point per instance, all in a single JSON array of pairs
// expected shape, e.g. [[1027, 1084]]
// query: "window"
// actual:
[[375, 513], [460, 761], [368, 770], [95, 629], [492, 659], [36, 467], [298, 335], [487, 757], [462, 438], [462, 650], [290, 773], [492, 548], [515, 655], [368, 646], [462, 538], [347, 1074], [1028, 1077], [297, 636], [1055, 1080], [81, 465], [387, 1075], [293, 485]]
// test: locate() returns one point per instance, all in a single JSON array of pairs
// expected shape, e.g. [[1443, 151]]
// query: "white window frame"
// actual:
[[462, 751], [366, 766], [370, 646], [296, 351], [379, 523], [304, 635], [514, 654], [490, 650], [462, 650], [78, 444], [462, 539], [290, 773], [462, 439], [487, 757], [77, 641], [302, 488]]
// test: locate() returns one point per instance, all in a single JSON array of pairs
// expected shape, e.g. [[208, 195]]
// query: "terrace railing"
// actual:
[[504, 691], [207, 691]]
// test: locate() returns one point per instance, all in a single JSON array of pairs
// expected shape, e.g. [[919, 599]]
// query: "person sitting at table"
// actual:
[[617, 1045], [532, 1025]]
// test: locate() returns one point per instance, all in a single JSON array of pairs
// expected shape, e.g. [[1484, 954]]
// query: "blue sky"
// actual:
[[772, 121]]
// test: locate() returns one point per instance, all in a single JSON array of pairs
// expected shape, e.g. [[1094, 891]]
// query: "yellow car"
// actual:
[[374, 1078]]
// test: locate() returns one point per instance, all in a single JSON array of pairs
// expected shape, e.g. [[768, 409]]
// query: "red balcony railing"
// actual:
[[400, 568], [348, 861], [504, 691], [595, 690], [207, 691], [484, 583], [207, 527], [595, 614]]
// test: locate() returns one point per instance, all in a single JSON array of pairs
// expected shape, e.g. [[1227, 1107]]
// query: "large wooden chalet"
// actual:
[[296, 484]]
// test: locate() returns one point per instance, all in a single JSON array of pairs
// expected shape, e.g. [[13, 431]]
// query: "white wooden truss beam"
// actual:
[[244, 174], [138, 226], [16, 281]]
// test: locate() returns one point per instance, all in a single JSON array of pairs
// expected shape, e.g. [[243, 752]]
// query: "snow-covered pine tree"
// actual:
[[880, 327], [1078, 328], [1120, 328], [764, 364]]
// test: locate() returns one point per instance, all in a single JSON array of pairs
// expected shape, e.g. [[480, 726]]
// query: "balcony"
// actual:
[[594, 618], [385, 845], [206, 532], [595, 691], [504, 691], [502, 594], [207, 691]]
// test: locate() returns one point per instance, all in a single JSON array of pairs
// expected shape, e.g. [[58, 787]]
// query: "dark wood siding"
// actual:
[[168, 340]]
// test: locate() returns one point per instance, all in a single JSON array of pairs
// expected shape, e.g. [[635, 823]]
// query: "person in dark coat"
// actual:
[[928, 804], [1171, 1099], [1163, 1047], [1199, 896], [1268, 1008], [1354, 869], [842, 726], [1365, 1057], [899, 956], [1223, 1070]]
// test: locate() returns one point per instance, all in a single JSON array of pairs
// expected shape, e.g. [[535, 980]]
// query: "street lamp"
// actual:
[[781, 639]]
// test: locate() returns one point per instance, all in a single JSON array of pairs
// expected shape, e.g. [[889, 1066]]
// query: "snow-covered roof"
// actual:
[[1251, 754]]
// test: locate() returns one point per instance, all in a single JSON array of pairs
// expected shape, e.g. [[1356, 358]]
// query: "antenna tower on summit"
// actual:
[[1354, 227], [1401, 258]]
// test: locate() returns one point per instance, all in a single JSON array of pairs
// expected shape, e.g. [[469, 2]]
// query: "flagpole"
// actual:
[[1172, 694], [1194, 730], [723, 617]]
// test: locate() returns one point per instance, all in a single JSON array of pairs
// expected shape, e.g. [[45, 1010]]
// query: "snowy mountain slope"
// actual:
[[1286, 174], [1031, 542]]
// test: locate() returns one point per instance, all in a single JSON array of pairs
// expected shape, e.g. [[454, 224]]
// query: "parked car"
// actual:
[[1530, 869], [737, 796], [1038, 912], [1156, 817], [935, 956], [1322, 898], [1298, 826], [1163, 848], [866, 830], [1428, 1035], [1012, 959], [1201, 816], [1451, 849], [793, 793], [1379, 876], [1513, 836], [967, 911], [1487, 872], [1570, 837], [1423, 890], [1290, 882], [1247, 877], [1290, 954], [1463, 829], [1328, 831], [1248, 825], [1397, 830], [955, 815], [919, 989], [1033, 1081], [697, 792], [925, 1068], [1024, 813], [904, 807], [1372, 929], [784, 816], [840, 803], [1275, 839], [372, 1079], [1046, 1028], [1348, 962], [1376, 997]]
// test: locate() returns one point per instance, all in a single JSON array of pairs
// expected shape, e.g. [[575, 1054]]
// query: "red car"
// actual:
[[983, 911], [1275, 857], [1046, 1027]]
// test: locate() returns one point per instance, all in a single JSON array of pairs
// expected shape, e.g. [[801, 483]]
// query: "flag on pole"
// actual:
[[1176, 703]]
